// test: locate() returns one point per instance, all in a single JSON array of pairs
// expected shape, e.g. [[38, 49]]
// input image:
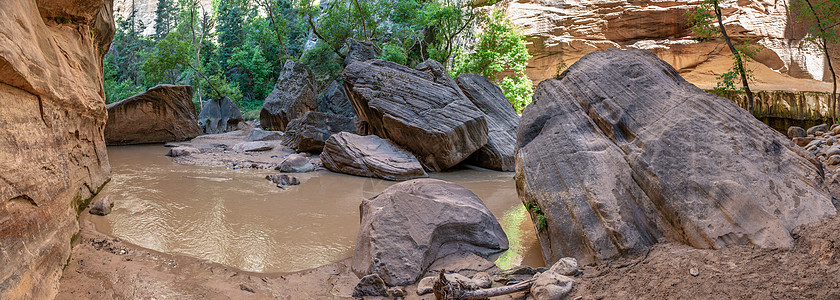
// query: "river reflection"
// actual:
[[237, 218]]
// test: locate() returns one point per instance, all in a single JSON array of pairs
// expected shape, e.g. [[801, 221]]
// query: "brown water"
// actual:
[[237, 218]]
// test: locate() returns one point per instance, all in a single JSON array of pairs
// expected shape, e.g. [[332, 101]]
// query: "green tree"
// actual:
[[823, 18], [166, 16], [230, 17], [707, 21], [501, 49]]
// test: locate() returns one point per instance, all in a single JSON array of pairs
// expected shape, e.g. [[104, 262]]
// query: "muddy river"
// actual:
[[237, 218]]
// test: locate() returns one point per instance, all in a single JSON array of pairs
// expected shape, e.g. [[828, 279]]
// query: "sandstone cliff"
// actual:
[[145, 11], [569, 29], [53, 155]]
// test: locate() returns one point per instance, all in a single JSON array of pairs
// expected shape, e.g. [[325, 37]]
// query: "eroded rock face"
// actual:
[[219, 116], [293, 95], [309, 132], [410, 225], [431, 120], [333, 100], [164, 113], [568, 30], [501, 122], [622, 153], [53, 122], [369, 156]]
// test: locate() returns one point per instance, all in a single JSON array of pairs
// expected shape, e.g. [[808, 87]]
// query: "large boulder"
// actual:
[[164, 113], [622, 153], [293, 95], [501, 122], [369, 156], [219, 116], [309, 132], [359, 51], [431, 120], [412, 224], [333, 100], [53, 152]]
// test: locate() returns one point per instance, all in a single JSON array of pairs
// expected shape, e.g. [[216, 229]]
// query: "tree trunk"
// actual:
[[833, 105], [738, 61]]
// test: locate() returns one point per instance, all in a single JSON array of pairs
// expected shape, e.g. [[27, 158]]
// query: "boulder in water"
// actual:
[[412, 224], [622, 153], [102, 206], [501, 122], [164, 113], [431, 120], [296, 163], [369, 156]]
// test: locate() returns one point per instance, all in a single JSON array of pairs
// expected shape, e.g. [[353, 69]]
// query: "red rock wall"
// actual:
[[52, 149]]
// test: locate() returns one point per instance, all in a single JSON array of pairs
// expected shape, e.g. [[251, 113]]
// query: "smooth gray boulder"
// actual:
[[622, 153], [252, 147], [295, 163], [333, 100], [796, 132], [814, 129], [431, 120], [369, 156], [551, 286], [502, 121], [370, 286], [102, 206], [258, 134], [410, 225], [219, 116], [309, 132], [293, 95]]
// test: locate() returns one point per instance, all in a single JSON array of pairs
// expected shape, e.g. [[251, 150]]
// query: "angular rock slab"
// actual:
[[219, 116], [309, 132], [411, 224], [293, 95], [164, 113], [369, 156], [622, 153], [333, 100], [431, 120], [501, 122]]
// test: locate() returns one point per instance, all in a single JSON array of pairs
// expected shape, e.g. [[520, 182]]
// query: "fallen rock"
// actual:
[[819, 128], [182, 151], [431, 120], [501, 123], [566, 266], [219, 116], [802, 141], [396, 292], [622, 153], [551, 286], [309, 132], [293, 95], [102, 206], [258, 134], [411, 224], [359, 51], [282, 179], [164, 113], [252, 147], [482, 280], [370, 286], [333, 100], [426, 285], [833, 160], [796, 132], [369, 156], [295, 163]]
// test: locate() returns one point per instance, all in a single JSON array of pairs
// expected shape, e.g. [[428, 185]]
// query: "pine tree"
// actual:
[[165, 18], [229, 28]]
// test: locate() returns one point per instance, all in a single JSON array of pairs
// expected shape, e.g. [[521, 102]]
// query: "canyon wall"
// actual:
[[145, 11], [565, 30], [52, 153]]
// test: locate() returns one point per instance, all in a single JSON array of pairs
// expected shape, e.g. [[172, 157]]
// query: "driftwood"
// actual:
[[447, 290]]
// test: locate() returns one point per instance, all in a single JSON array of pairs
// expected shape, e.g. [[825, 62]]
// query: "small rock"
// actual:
[[813, 130], [102, 206], [551, 286], [482, 280], [425, 285], [371, 285], [396, 292], [567, 266], [296, 163], [282, 179], [833, 160], [258, 134], [803, 141], [795, 132], [252, 147], [182, 151], [246, 288], [694, 272]]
